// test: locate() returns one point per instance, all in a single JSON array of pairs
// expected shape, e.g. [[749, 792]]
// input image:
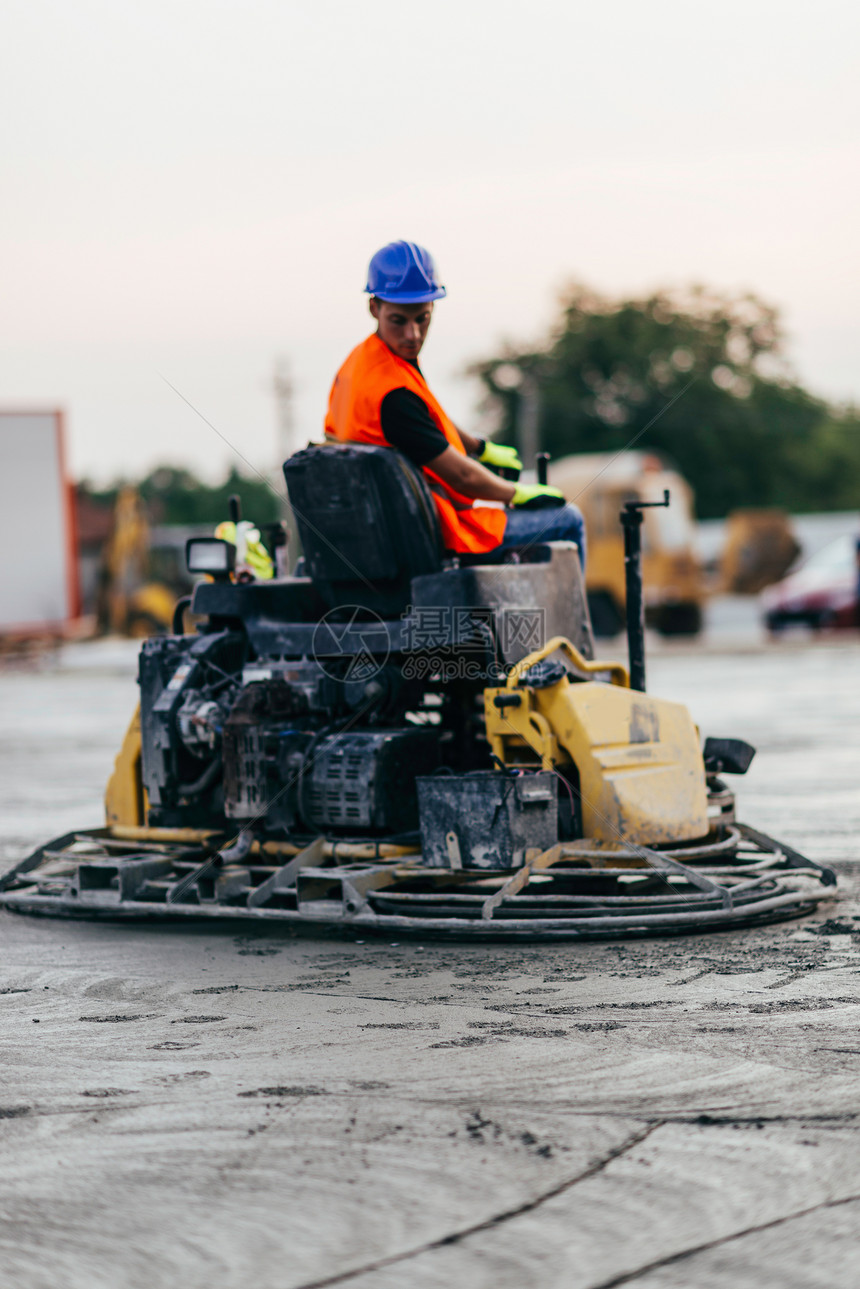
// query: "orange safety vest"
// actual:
[[354, 414]]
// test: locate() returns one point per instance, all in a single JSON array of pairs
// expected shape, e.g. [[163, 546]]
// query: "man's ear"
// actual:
[[373, 306]]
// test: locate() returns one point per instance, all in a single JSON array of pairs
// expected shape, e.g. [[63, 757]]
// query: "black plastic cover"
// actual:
[[486, 819], [728, 755]]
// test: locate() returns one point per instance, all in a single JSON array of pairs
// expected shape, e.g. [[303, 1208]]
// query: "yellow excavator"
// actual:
[[128, 601]]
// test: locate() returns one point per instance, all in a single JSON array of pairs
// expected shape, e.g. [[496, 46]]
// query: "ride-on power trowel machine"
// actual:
[[400, 739]]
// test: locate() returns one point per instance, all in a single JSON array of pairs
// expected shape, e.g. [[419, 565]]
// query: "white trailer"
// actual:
[[38, 564]]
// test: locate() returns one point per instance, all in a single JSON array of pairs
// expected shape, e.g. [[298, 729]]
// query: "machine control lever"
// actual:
[[631, 520], [508, 700]]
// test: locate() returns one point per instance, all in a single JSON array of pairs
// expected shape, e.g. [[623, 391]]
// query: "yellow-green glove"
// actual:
[[536, 496], [503, 458], [250, 551]]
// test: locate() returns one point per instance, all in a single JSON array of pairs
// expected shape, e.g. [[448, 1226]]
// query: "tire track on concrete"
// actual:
[[342, 1277], [628, 1277]]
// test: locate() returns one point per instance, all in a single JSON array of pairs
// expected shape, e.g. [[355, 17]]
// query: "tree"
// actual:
[[175, 496], [697, 376]]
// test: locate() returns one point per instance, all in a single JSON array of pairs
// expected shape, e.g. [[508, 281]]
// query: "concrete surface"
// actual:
[[219, 1107]]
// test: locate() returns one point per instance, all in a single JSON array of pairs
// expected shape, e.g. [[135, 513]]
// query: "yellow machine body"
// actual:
[[641, 773], [125, 796]]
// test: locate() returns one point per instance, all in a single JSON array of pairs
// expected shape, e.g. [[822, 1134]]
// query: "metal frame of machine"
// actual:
[[398, 739]]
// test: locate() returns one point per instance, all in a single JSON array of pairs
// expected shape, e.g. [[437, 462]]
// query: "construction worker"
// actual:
[[380, 396]]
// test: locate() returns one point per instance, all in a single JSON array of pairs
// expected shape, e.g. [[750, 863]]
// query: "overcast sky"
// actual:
[[194, 187]]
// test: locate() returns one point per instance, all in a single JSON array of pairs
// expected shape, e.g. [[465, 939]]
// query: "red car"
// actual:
[[822, 593]]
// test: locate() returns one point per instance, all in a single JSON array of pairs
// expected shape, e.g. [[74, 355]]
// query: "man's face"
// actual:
[[403, 327]]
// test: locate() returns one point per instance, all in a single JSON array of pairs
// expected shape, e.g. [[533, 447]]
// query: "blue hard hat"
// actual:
[[403, 272]]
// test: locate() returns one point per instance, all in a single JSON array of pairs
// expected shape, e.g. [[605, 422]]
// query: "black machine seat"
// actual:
[[369, 527], [367, 521]]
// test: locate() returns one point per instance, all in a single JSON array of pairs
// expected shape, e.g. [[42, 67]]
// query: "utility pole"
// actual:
[[285, 445], [284, 390], [528, 414]]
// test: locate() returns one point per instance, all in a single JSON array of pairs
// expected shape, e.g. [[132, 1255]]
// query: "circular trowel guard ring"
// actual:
[[736, 876]]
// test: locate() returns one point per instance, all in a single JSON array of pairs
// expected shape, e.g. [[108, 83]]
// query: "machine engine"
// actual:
[[285, 746]]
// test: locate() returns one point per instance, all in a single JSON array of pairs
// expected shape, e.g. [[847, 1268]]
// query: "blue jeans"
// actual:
[[559, 524]]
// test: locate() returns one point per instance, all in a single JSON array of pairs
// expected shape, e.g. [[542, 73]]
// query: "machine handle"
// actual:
[[616, 669], [631, 519], [631, 506]]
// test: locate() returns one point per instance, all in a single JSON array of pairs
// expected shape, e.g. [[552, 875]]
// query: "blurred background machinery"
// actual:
[[759, 547], [129, 600], [601, 484]]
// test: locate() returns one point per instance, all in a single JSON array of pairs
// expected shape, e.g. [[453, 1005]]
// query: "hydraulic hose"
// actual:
[[177, 625], [204, 782]]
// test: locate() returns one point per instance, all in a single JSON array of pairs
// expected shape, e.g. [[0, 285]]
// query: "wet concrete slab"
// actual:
[[234, 1106]]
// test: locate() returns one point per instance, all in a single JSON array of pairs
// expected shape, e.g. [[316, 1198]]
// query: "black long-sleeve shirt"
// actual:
[[409, 427]]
